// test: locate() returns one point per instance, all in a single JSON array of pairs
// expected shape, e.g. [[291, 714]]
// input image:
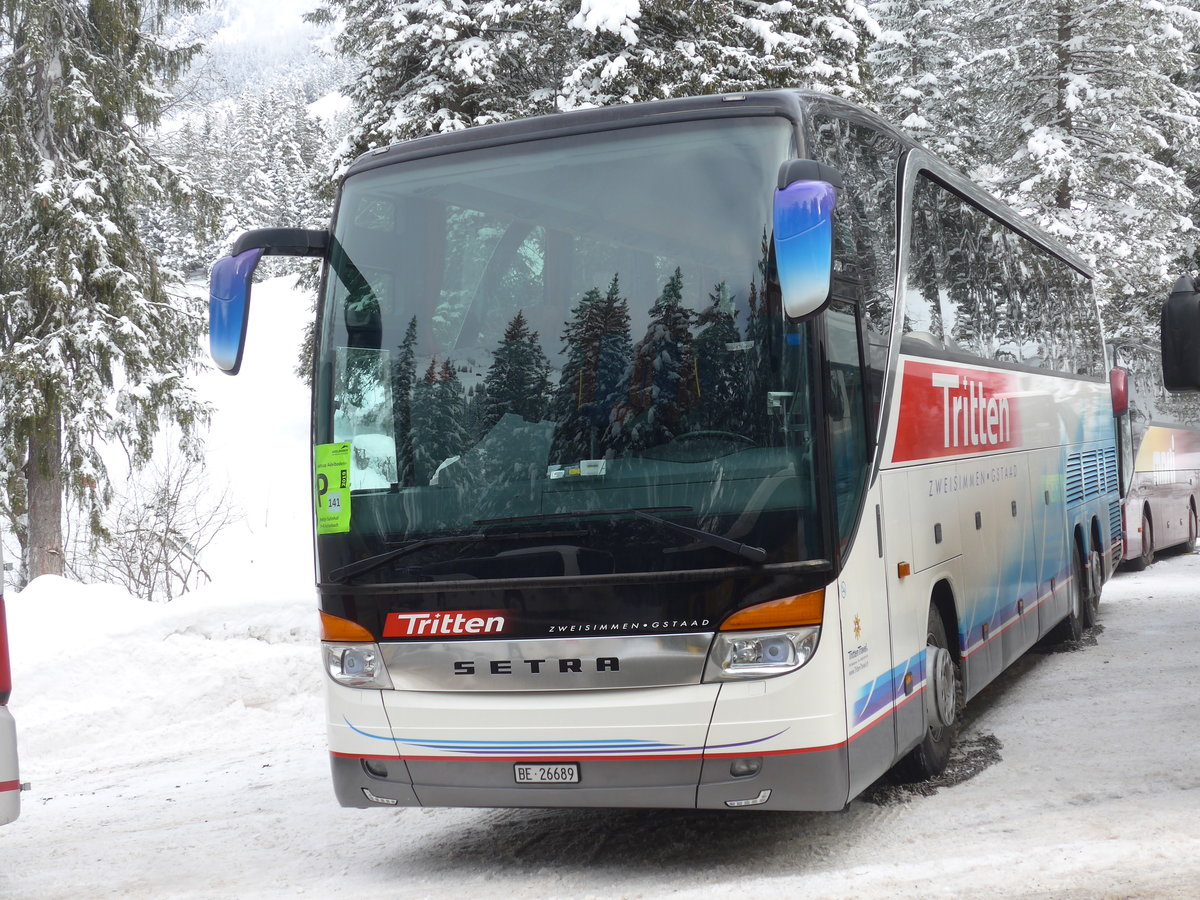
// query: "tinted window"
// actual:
[[865, 267], [977, 287], [1149, 400], [556, 339]]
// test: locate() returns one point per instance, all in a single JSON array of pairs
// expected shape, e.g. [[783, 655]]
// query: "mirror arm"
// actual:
[[284, 242], [807, 170]]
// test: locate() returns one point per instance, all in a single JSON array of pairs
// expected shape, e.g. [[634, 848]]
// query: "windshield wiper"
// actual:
[[345, 573], [578, 513], [745, 551]]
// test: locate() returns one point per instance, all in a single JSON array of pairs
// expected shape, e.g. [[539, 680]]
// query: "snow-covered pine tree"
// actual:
[[598, 349], [661, 48], [576, 390], [518, 380], [438, 419], [662, 384], [917, 63], [438, 416], [1077, 114], [429, 66], [721, 372], [93, 343], [403, 376]]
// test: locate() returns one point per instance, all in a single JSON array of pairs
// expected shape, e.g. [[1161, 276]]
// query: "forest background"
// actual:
[[139, 137]]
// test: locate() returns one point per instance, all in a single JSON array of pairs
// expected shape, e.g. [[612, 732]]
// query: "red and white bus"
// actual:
[[10, 779], [1158, 440], [702, 453]]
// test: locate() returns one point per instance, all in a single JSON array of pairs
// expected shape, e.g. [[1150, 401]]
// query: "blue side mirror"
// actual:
[[803, 219], [229, 307]]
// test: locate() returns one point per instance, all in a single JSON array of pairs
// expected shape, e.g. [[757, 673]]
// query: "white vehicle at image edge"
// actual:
[[10, 781]]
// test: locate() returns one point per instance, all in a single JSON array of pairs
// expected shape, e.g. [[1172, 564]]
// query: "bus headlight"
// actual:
[[759, 654], [357, 666]]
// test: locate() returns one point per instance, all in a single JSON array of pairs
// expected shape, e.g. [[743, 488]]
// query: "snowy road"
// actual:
[[173, 755]]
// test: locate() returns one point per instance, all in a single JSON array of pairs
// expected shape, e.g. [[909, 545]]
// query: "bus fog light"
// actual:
[[736, 655], [357, 666]]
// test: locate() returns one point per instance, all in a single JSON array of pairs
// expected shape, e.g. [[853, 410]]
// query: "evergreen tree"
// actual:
[[476, 416], [1077, 113], [94, 345], [721, 370], [442, 65], [764, 313], [662, 385], [598, 349], [438, 414], [518, 380], [661, 48], [917, 64], [403, 378], [432, 66]]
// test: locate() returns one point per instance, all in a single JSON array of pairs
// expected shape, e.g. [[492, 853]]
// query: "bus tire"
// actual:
[[1071, 628], [1146, 558], [1095, 584], [929, 758], [1193, 530]]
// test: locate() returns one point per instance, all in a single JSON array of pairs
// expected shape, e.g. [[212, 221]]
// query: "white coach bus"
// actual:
[[701, 453], [1158, 443]]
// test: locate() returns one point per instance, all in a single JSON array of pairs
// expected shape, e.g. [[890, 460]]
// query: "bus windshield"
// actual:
[[566, 356]]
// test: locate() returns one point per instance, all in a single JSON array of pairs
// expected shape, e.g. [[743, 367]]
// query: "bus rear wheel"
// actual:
[[1071, 628], [1094, 580], [943, 698]]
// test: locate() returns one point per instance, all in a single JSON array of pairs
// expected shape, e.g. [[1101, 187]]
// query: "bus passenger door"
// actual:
[[869, 668], [923, 549]]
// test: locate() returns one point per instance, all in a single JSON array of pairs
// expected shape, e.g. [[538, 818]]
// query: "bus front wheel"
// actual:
[[943, 687]]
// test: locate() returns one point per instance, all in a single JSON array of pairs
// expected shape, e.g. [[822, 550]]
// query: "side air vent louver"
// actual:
[[1111, 477], [1091, 474], [1074, 480]]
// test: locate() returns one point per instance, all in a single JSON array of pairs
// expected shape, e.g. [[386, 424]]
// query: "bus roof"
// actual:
[[791, 104]]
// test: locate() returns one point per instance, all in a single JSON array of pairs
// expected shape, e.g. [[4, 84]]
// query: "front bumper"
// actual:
[[813, 780]]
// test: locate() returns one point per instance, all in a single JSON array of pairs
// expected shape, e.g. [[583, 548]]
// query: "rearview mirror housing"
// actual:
[[1180, 325], [805, 197], [230, 280]]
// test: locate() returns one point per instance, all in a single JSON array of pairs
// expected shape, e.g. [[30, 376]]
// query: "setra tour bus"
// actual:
[[1158, 444], [701, 453]]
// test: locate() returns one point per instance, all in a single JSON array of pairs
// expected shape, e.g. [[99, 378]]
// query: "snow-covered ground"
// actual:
[[178, 750]]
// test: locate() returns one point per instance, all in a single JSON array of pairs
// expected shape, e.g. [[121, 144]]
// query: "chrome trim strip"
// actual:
[[555, 664]]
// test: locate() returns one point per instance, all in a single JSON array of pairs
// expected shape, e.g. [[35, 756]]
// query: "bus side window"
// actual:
[[845, 413], [922, 310], [867, 159]]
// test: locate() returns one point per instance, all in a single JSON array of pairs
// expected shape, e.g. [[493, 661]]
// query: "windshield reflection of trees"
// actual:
[[690, 373]]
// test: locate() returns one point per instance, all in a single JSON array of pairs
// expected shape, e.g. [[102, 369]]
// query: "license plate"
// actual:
[[547, 773]]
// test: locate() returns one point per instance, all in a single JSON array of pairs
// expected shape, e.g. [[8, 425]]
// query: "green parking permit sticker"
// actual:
[[332, 465]]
